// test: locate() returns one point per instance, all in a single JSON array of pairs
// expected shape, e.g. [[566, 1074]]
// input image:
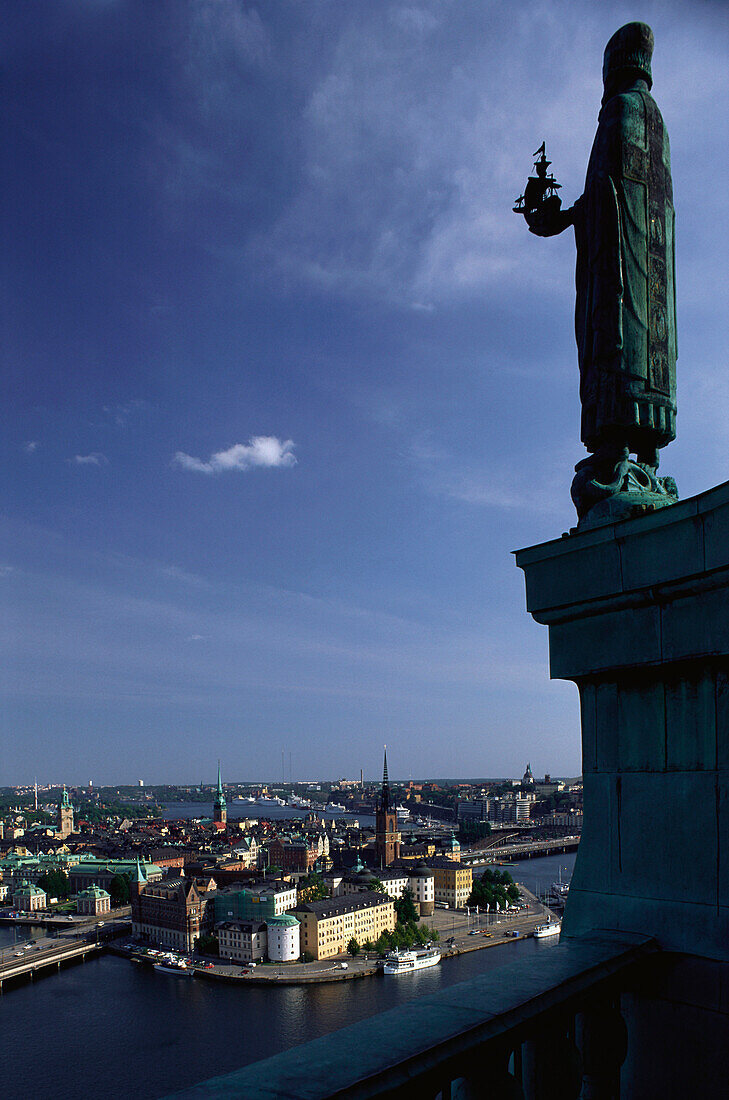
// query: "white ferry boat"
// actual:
[[402, 812], [544, 931], [403, 962], [336, 807]]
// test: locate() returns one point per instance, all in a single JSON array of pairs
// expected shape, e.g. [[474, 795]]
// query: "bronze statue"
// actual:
[[625, 316]]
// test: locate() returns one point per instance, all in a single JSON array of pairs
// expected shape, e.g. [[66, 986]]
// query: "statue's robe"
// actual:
[[625, 316]]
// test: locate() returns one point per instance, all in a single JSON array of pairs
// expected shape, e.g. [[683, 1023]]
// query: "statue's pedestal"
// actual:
[[638, 617]]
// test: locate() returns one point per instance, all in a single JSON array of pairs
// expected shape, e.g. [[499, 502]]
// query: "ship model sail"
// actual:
[[540, 194]]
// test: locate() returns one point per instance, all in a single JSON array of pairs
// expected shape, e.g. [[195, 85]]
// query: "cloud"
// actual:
[[6, 570], [261, 450], [31, 446], [93, 459]]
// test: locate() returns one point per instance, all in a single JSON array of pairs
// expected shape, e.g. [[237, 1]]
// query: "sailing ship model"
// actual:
[[540, 194]]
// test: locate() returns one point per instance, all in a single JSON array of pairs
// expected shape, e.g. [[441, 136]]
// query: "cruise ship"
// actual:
[[404, 962]]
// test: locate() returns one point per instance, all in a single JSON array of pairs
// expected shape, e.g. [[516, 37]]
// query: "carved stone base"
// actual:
[[610, 486]]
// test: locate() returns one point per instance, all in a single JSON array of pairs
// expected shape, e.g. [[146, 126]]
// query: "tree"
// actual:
[[55, 884], [405, 908], [468, 831], [119, 891], [312, 888], [353, 947], [307, 957], [492, 888], [207, 945]]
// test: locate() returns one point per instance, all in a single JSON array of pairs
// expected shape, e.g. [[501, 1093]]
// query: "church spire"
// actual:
[[385, 795], [220, 812]]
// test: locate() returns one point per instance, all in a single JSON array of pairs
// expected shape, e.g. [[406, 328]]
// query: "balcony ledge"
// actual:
[[395, 1048]]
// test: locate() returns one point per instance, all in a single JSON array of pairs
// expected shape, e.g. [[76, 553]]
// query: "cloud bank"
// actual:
[[260, 451]]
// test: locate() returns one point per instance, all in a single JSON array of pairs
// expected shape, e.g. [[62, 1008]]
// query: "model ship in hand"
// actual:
[[540, 204]]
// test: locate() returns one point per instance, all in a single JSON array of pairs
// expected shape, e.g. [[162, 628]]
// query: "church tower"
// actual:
[[64, 816], [220, 812], [387, 838]]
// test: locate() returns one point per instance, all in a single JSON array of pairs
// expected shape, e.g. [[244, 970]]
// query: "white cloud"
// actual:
[[6, 570], [93, 459], [31, 446], [261, 450]]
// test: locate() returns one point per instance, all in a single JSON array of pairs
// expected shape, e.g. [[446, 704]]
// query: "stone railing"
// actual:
[[545, 1027]]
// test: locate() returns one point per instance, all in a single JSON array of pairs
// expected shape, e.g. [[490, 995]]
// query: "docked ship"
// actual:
[[544, 931], [336, 807], [173, 964], [404, 962]]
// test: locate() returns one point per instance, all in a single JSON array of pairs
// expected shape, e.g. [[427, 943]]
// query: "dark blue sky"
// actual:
[[286, 380]]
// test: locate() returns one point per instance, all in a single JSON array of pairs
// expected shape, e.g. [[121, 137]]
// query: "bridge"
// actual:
[[26, 960], [523, 850], [34, 962]]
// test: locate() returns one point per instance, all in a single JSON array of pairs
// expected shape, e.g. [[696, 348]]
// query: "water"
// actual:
[[111, 1024], [184, 811], [539, 874]]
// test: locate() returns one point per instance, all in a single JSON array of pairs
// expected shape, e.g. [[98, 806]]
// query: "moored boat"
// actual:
[[172, 964], [544, 931], [404, 962]]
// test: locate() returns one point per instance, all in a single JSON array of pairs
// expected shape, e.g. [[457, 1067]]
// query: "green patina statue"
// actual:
[[625, 317]]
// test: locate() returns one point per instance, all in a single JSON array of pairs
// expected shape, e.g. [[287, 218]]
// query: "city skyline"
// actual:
[[286, 381]]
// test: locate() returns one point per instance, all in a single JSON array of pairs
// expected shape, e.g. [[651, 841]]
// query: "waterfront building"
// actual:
[[327, 926], [93, 902], [167, 914], [220, 811], [64, 816], [28, 898], [452, 884], [254, 903], [284, 938], [421, 880], [242, 941], [387, 838]]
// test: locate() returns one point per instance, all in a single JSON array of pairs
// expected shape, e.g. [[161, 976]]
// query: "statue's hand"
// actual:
[[549, 223]]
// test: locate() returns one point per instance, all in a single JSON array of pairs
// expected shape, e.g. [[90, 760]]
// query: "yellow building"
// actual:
[[453, 882], [327, 926]]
